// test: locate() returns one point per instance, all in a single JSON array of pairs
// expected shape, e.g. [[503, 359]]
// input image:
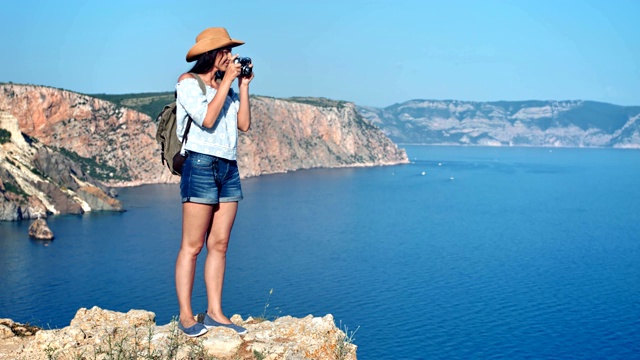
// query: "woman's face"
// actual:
[[223, 58]]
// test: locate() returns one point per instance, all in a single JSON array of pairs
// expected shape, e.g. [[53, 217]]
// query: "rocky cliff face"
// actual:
[[285, 135], [103, 334], [510, 123], [36, 180], [116, 144], [78, 137], [292, 134]]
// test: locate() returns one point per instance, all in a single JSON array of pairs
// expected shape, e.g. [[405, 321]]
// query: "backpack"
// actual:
[[166, 133]]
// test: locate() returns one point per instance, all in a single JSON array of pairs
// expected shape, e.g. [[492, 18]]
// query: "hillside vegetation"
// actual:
[[147, 103]]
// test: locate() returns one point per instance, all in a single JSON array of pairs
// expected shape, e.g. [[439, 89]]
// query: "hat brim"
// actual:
[[203, 46]]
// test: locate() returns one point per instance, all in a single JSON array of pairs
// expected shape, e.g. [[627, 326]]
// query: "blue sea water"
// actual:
[[492, 253]]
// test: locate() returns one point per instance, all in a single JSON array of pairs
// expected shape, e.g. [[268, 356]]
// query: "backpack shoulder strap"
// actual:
[[200, 82], [204, 92]]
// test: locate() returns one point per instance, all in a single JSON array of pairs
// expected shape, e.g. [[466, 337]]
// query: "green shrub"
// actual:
[[14, 189], [319, 102], [95, 169], [5, 136], [37, 172], [146, 103]]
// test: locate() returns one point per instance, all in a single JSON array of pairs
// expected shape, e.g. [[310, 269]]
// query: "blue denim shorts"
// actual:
[[208, 179]]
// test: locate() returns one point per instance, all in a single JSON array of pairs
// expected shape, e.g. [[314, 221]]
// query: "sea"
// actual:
[[464, 253]]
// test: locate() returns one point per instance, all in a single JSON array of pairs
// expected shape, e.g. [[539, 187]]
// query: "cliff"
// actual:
[[509, 123], [37, 180], [112, 145], [304, 133], [104, 334], [294, 133], [117, 144]]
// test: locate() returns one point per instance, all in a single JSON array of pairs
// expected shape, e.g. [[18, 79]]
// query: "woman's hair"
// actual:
[[205, 62]]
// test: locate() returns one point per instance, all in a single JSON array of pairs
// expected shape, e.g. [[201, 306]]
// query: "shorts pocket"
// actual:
[[202, 161]]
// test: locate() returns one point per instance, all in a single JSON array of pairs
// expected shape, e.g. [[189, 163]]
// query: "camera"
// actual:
[[245, 69]]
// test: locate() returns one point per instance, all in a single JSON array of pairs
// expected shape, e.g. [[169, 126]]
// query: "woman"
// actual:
[[210, 183]]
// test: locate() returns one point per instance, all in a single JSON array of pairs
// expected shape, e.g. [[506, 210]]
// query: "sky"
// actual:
[[371, 52]]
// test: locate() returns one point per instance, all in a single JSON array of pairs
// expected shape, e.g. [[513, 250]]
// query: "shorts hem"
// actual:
[[198, 200], [231, 199]]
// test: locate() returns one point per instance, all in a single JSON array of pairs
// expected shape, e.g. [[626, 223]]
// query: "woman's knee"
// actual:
[[191, 249], [220, 244]]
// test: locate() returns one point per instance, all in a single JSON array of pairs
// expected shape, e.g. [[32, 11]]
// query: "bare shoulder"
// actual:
[[185, 76]]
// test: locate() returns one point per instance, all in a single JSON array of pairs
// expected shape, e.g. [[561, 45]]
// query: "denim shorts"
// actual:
[[208, 179]]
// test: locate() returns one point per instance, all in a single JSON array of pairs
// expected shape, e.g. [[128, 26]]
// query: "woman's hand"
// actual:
[[244, 80], [233, 69], [244, 112]]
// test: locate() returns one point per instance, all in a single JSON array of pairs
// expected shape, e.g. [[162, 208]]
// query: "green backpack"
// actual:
[[166, 132]]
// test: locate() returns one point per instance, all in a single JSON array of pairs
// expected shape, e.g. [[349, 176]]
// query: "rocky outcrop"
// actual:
[[37, 180], [113, 144], [117, 145], [106, 334], [40, 230], [509, 123], [304, 133]]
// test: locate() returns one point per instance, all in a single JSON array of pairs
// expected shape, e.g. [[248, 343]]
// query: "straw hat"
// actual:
[[211, 39]]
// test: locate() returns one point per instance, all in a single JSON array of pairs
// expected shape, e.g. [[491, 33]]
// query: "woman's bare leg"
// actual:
[[223, 218], [196, 220]]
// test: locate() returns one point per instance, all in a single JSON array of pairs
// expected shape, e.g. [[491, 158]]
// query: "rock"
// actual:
[[57, 167], [9, 209], [97, 199], [9, 123], [34, 209], [307, 338], [5, 332], [75, 333], [40, 230], [105, 334], [11, 347], [65, 204], [221, 342], [90, 320], [7, 322], [20, 329]]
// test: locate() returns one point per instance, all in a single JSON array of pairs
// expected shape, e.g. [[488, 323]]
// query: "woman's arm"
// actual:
[[215, 106], [244, 113]]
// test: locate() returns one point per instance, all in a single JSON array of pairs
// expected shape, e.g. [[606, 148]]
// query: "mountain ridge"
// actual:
[[566, 123], [591, 123]]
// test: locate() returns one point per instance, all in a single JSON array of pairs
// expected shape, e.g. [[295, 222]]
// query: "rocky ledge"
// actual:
[[103, 334]]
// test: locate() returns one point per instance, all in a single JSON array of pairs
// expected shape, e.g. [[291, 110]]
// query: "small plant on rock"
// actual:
[[198, 352], [50, 351], [344, 342], [258, 355], [174, 339], [265, 314]]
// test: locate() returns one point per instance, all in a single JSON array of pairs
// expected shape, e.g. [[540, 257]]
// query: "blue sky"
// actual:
[[370, 52]]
